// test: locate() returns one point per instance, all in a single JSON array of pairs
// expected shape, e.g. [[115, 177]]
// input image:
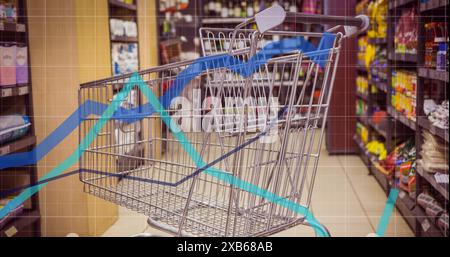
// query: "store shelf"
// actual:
[[426, 124], [20, 223], [442, 189], [381, 85], [372, 164], [400, 117], [426, 225], [17, 145], [406, 207], [12, 27], [16, 90], [400, 3], [431, 5], [378, 41], [223, 20], [378, 129], [362, 96], [361, 68], [403, 57], [117, 3], [124, 39], [433, 74]]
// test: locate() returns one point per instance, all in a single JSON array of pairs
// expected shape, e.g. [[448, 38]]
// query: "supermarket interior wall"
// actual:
[[53, 51], [70, 45]]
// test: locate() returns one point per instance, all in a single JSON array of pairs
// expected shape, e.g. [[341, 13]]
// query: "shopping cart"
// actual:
[[258, 124]]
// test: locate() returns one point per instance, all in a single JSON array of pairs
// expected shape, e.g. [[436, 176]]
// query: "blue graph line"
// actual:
[[245, 69]]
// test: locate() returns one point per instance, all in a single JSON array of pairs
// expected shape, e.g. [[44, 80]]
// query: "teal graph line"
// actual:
[[221, 175], [387, 213], [73, 159]]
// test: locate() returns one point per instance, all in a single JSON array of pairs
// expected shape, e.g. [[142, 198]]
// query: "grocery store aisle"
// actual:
[[346, 199]]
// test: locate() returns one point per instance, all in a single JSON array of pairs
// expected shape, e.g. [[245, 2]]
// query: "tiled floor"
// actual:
[[346, 200]]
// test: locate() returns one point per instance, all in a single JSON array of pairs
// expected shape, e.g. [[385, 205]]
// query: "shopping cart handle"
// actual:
[[269, 18], [352, 25]]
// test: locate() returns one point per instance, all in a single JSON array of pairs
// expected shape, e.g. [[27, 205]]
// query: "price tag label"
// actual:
[[20, 27], [4, 150], [6, 92], [23, 90], [10, 232], [425, 225]]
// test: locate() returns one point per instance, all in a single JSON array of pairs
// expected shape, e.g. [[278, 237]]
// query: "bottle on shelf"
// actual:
[[224, 11], [212, 8], [218, 7], [256, 6], [206, 10], [237, 9], [230, 9], [250, 10], [243, 9]]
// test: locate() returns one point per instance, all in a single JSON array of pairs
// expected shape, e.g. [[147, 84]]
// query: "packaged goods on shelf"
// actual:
[[362, 131], [13, 64], [124, 57], [434, 210], [437, 114], [434, 154], [406, 32], [378, 64], [436, 45], [13, 127], [377, 148], [120, 28], [8, 10], [442, 222], [362, 85], [361, 108], [21, 65], [7, 64], [402, 153], [403, 97], [377, 12]]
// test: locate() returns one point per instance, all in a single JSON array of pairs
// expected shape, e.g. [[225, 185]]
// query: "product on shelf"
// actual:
[[7, 64], [436, 45], [434, 210], [442, 222], [377, 12], [366, 52], [13, 127], [8, 10], [11, 214], [124, 57], [363, 132], [402, 153], [362, 85], [434, 154], [437, 114], [406, 32], [170, 5], [361, 108], [403, 97], [377, 148], [123, 28], [21, 65]]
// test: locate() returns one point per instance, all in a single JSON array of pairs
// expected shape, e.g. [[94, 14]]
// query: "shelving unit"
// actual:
[[126, 12], [27, 223], [432, 10], [399, 126]]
